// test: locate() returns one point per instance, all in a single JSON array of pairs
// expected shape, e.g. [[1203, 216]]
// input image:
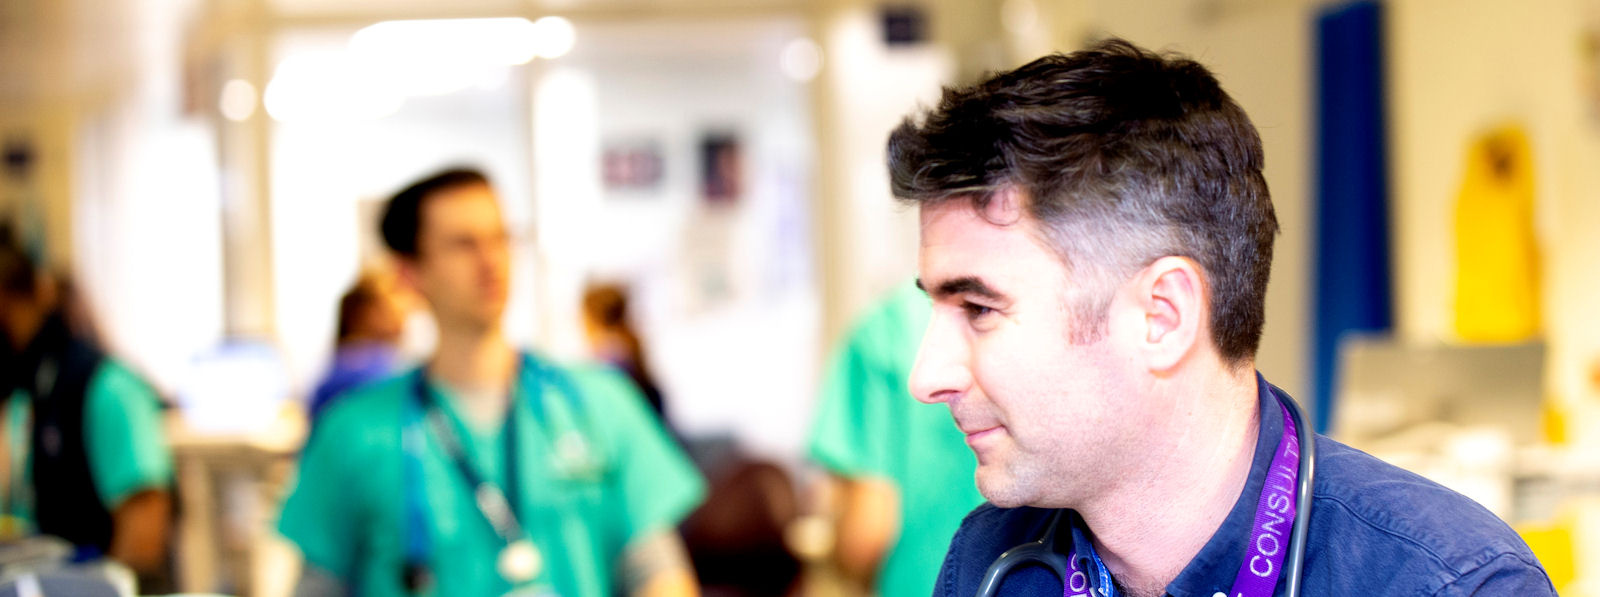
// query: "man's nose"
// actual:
[[941, 372], [493, 254]]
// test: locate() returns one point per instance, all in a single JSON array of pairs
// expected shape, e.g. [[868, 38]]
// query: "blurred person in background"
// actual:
[[1097, 236], [372, 316], [83, 451], [903, 472], [608, 325], [486, 471], [735, 539]]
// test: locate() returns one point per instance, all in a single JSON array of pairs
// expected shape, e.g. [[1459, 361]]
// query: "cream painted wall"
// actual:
[[1460, 66], [867, 242]]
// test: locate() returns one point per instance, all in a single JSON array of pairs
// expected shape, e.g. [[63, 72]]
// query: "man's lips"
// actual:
[[979, 434]]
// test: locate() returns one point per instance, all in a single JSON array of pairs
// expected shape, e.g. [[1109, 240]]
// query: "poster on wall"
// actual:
[[631, 166], [721, 168]]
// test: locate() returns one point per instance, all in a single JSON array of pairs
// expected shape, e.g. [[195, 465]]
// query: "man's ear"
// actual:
[[1172, 294]]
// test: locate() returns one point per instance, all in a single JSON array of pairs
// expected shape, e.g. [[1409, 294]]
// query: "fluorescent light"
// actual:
[[553, 37], [801, 59], [442, 56], [389, 61], [500, 41], [327, 87]]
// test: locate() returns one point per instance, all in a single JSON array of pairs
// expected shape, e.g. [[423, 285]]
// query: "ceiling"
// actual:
[[60, 50]]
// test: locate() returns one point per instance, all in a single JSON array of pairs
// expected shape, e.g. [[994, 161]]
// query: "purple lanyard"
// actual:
[[1269, 535]]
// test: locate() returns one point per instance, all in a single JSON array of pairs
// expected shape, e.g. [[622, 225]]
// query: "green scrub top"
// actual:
[[869, 425], [125, 442], [347, 509]]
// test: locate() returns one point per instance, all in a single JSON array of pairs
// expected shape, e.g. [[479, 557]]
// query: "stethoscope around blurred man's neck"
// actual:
[[1291, 471]]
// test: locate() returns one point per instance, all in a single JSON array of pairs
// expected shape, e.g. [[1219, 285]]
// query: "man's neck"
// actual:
[[476, 365], [1167, 503], [473, 358]]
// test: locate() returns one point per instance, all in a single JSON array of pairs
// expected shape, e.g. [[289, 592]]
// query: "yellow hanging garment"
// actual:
[[1497, 255]]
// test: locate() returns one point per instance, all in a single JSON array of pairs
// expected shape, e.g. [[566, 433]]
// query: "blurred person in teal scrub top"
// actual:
[[905, 473], [83, 453], [487, 471]]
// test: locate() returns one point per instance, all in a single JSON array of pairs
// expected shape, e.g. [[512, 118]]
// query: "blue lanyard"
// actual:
[[449, 435], [1086, 575], [423, 413]]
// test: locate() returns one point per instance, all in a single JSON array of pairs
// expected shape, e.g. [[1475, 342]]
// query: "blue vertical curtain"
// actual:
[[1352, 273]]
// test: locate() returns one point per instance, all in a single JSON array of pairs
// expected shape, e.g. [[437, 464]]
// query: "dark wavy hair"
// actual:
[[402, 215], [1123, 156]]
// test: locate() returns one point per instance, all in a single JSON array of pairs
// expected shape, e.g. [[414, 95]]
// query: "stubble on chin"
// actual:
[[1005, 488]]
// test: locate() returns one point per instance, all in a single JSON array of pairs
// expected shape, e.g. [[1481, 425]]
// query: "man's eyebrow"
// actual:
[[962, 285]]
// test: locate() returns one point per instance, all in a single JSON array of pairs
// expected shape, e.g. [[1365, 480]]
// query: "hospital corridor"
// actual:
[[655, 297]]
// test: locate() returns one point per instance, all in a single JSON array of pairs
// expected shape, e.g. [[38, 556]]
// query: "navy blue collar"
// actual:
[[1212, 570]]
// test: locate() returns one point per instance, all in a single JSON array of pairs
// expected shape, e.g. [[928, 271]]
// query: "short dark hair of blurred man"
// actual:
[[84, 456], [1096, 237], [487, 470]]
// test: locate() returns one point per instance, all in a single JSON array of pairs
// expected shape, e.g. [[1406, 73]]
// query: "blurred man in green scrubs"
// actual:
[[905, 472], [486, 471], [83, 455]]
